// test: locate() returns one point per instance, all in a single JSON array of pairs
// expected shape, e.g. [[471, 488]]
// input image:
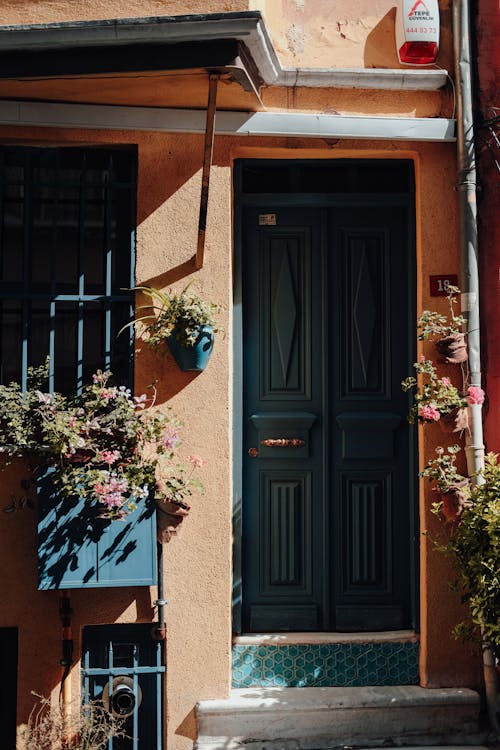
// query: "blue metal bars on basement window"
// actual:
[[125, 661], [67, 262]]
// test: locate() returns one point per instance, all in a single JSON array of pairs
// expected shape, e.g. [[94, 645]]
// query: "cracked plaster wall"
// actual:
[[354, 33]]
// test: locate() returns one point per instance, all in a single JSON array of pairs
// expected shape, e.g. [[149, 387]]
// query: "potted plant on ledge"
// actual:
[[183, 322]]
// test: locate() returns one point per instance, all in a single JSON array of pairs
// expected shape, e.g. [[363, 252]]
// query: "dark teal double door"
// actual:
[[328, 475]]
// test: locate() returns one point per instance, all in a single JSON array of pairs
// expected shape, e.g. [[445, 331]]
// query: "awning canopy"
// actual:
[[163, 62], [166, 61]]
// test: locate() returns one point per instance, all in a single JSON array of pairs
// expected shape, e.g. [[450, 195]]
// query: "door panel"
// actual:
[[326, 506], [285, 311]]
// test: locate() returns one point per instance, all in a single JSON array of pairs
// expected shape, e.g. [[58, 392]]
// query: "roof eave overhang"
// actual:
[[212, 40]]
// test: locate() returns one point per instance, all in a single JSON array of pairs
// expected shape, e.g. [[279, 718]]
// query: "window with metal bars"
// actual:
[[126, 656], [67, 259]]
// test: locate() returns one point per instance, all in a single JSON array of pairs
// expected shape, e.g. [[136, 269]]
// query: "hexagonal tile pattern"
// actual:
[[331, 665]]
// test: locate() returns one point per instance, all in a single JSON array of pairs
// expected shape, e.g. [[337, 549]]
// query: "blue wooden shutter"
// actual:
[[78, 549]]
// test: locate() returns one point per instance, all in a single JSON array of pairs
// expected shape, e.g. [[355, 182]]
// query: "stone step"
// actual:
[[324, 718]]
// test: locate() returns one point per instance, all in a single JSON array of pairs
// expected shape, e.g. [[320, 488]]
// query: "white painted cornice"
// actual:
[[268, 124]]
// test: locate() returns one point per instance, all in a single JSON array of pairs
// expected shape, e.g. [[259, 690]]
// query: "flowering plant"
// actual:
[[432, 324], [473, 544], [435, 396], [443, 471], [104, 445], [178, 486], [179, 314]]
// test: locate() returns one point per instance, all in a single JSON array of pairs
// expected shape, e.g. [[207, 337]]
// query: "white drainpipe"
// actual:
[[470, 277]]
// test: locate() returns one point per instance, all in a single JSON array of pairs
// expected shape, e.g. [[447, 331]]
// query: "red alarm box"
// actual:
[[417, 31]]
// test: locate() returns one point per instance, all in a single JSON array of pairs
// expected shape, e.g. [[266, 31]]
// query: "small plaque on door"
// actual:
[[267, 220]]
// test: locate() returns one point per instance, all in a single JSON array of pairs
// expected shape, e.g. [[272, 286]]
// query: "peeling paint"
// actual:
[[296, 39]]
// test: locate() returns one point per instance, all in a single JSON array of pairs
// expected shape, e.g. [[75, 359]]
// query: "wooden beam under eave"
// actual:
[[207, 163]]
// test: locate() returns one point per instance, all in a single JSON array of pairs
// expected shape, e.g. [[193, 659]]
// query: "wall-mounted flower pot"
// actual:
[[453, 348], [455, 421], [169, 516], [454, 501], [193, 358]]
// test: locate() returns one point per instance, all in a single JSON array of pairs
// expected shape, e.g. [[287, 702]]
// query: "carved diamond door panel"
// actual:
[[327, 300]]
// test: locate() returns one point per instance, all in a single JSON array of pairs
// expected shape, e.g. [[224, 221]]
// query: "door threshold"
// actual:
[[388, 636]]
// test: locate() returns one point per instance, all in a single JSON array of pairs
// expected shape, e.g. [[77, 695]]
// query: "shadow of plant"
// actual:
[[76, 546]]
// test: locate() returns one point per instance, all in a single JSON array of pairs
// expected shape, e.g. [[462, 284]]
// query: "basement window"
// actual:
[[123, 666]]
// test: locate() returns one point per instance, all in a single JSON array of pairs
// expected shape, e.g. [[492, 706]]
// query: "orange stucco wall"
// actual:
[[53, 11], [354, 34], [308, 33], [198, 563]]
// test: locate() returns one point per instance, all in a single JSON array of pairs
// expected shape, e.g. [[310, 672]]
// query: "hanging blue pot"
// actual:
[[193, 358]]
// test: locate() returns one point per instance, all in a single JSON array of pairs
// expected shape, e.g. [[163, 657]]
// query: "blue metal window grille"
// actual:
[[67, 262], [113, 651]]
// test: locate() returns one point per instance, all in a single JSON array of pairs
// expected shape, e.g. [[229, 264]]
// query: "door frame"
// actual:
[[303, 200]]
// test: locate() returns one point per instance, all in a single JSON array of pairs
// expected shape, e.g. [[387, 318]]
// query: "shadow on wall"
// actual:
[[187, 727], [381, 51], [380, 47], [166, 166]]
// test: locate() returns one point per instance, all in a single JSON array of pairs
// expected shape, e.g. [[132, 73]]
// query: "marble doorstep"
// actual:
[[328, 718]]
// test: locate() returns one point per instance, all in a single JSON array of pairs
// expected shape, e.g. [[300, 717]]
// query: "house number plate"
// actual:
[[440, 285]]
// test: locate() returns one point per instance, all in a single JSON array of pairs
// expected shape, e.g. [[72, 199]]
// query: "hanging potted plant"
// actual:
[[453, 488], [436, 399], [445, 330], [172, 498], [182, 322]]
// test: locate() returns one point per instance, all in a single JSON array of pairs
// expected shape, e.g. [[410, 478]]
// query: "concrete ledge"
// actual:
[[281, 639], [320, 718]]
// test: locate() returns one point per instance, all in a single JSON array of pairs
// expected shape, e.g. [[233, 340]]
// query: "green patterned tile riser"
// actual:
[[325, 665]]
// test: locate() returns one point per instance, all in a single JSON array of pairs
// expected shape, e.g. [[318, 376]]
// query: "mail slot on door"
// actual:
[[282, 434]]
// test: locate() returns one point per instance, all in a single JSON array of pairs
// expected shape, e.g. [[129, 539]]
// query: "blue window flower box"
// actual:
[[79, 549]]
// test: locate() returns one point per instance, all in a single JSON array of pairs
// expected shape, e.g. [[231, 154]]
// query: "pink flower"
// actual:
[[476, 394], [109, 457], [170, 439], [109, 393], [446, 381], [100, 377], [196, 460], [430, 413], [111, 493]]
